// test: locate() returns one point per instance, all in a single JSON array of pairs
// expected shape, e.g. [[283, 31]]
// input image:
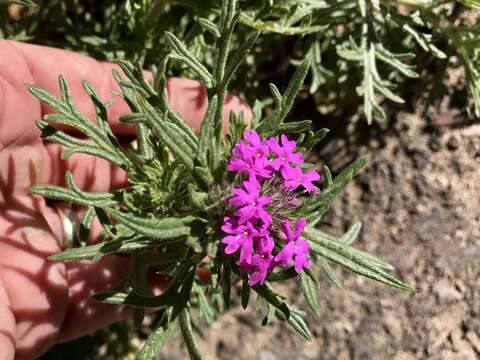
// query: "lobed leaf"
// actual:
[[281, 112], [83, 198], [97, 251], [169, 134], [159, 229], [187, 57], [209, 26], [238, 58]]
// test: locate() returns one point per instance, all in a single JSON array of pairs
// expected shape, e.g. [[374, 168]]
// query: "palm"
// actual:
[[43, 302]]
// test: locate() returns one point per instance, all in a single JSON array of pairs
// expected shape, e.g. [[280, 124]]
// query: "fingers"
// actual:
[[36, 288], [18, 109], [29, 232], [189, 98], [7, 326], [46, 64], [85, 278]]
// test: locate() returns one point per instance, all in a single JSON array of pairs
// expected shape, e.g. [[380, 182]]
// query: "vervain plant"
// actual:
[[242, 206]]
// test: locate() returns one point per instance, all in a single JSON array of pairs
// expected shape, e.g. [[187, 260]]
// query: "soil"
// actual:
[[419, 202]]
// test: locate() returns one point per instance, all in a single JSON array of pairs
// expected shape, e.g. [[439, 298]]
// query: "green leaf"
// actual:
[[296, 321], [209, 26], [309, 291], [188, 337], [84, 230], [185, 56], [95, 151], [207, 132], [274, 299], [66, 94], [394, 61], [159, 229], [157, 340], [343, 255], [257, 113], [204, 175], [269, 315], [351, 235], [315, 139], [424, 41], [169, 133], [277, 27], [281, 112], [277, 95], [206, 310], [378, 262], [475, 4], [290, 127], [134, 300], [52, 134], [134, 118], [237, 127], [316, 207], [28, 3], [81, 198], [238, 58], [69, 115], [227, 282], [283, 275], [97, 251], [331, 274], [245, 293], [328, 177], [45, 96]]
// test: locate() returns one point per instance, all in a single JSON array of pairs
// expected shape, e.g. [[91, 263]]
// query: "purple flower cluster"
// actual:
[[250, 231]]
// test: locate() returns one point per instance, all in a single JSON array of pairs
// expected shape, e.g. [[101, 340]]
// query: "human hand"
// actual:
[[42, 302]]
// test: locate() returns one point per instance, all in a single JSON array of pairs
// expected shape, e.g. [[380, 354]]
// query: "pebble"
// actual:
[[446, 292]]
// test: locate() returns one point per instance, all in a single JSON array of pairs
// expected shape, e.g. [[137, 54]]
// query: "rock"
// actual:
[[446, 292], [445, 323], [393, 325], [402, 355], [453, 143], [474, 339]]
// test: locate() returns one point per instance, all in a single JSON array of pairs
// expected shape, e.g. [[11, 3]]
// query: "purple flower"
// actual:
[[296, 248], [251, 202], [257, 147], [240, 237], [284, 152], [251, 166], [251, 157], [295, 177], [263, 261], [250, 231]]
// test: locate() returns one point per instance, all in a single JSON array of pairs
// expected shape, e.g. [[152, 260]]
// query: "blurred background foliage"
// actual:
[[370, 60]]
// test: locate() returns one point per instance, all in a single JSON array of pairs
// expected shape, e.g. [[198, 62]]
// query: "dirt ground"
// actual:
[[419, 202]]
